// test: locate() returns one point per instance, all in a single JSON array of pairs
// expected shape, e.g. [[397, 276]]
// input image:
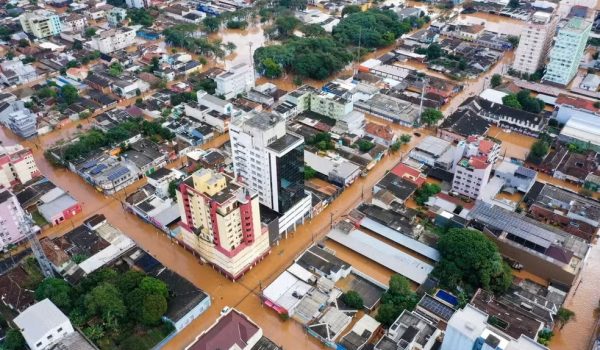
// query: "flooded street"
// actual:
[[246, 42]]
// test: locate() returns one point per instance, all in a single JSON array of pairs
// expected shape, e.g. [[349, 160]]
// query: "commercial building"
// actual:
[[535, 42], [113, 39], [471, 328], [237, 80], [40, 23], [10, 225], [43, 324], [17, 166], [543, 250], [56, 206], [582, 130], [220, 220], [567, 51], [270, 161]]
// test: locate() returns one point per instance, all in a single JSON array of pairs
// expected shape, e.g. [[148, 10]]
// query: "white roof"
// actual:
[[281, 291], [39, 319], [469, 321], [371, 63], [549, 100], [119, 244], [583, 127], [493, 95], [301, 273], [366, 323], [384, 254], [326, 166], [56, 206], [52, 195], [525, 343]]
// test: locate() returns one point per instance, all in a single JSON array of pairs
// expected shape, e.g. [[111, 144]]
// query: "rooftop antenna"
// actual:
[[28, 227]]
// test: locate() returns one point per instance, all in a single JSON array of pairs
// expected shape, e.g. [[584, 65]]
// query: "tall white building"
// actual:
[[237, 80], [40, 23], [567, 52], [17, 166], [270, 160], [113, 40], [472, 171], [535, 42], [11, 217]]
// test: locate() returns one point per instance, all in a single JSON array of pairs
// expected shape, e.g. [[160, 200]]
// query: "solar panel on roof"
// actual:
[[98, 169], [89, 164], [437, 308], [120, 171]]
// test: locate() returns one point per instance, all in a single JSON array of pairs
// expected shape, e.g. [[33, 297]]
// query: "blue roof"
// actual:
[[117, 173], [89, 164]]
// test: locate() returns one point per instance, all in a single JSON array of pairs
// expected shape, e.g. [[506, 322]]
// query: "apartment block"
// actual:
[[138, 3], [220, 220], [473, 169], [237, 80], [330, 105], [40, 23], [567, 51], [10, 220], [270, 160], [17, 166], [113, 40], [73, 22], [115, 16], [535, 42]]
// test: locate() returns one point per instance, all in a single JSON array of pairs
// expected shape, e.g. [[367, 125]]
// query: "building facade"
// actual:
[[10, 220], [17, 166], [567, 51], [535, 43], [472, 171], [138, 3], [270, 160], [40, 24], [115, 16], [237, 80], [74, 22], [220, 220], [113, 40], [330, 105]]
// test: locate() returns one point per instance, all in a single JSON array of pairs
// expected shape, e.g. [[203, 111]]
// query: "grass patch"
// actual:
[[39, 219]]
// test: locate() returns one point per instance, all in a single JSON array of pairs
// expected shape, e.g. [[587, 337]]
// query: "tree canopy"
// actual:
[[58, 291], [69, 94], [424, 192], [140, 16], [373, 28], [397, 298], [315, 58], [496, 80], [430, 116], [470, 260], [353, 299], [523, 100]]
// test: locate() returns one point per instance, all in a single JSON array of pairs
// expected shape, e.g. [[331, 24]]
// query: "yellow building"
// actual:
[[220, 220]]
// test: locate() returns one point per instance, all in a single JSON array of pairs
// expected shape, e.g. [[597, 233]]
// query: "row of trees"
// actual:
[[524, 101], [94, 140]]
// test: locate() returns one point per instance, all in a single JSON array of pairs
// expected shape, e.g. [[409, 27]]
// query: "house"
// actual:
[[233, 330], [591, 82], [146, 156], [42, 324], [383, 135], [462, 124], [338, 171], [112, 40], [73, 22], [399, 188], [18, 118], [57, 206], [15, 72], [77, 73], [410, 331], [434, 152]]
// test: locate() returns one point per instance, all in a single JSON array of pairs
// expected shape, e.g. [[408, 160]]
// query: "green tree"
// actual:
[[430, 116], [514, 4], [294, 4], [271, 68], [69, 94], [309, 172], [434, 51], [211, 24], [129, 281], [424, 192], [513, 40], [313, 30], [496, 80], [151, 285], [563, 316], [350, 9], [371, 29], [397, 298], [94, 332], [140, 16], [105, 300], [115, 69], [46, 92], [365, 146], [153, 309], [14, 340], [89, 32], [470, 260], [405, 138], [511, 100], [538, 151], [395, 147], [353, 299], [286, 25], [58, 291], [173, 188]]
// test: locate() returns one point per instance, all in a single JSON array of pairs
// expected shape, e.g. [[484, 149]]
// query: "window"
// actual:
[[38, 344], [59, 330]]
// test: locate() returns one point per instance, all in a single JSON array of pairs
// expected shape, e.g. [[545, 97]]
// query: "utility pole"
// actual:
[[28, 227], [424, 81]]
